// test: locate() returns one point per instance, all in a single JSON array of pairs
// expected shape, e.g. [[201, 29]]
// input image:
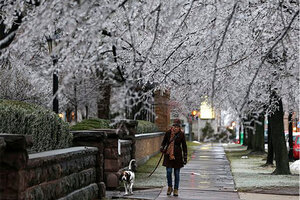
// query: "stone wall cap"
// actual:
[[148, 135], [46, 157], [97, 131], [109, 131], [89, 134], [124, 141], [17, 141]]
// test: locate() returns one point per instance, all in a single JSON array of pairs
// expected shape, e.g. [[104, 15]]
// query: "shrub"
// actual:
[[89, 124], [47, 129], [95, 123], [146, 127], [207, 131]]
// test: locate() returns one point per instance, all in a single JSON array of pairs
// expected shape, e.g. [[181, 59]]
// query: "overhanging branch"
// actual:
[[265, 57], [218, 52]]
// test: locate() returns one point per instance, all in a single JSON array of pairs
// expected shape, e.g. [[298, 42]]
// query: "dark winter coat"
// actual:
[[180, 150]]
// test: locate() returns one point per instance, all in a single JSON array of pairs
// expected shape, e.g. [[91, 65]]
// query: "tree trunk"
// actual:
[[76, 115], [270, 156], [104, 101], [278, 140], [240, 134], [250, 133], [246, 136], [86, 112], [291, 158], [76, 103], [250, 139], [69, 115], [259, 145]]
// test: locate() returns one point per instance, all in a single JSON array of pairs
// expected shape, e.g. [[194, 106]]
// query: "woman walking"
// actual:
[[175, 154]]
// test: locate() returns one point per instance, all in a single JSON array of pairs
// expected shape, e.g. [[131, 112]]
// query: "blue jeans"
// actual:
[[169, 177]]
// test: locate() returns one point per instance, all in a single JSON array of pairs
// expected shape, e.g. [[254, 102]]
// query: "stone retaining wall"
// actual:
[[69, 173], [117, 147], [61, 173], [81, 172]]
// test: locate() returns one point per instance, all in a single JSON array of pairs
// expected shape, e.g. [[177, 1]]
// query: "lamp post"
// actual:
[[55, 76]]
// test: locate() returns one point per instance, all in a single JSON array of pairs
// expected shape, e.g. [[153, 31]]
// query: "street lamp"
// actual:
[[55, 76]]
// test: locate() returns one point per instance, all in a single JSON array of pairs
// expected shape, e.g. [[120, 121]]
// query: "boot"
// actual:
[[175, 192], [170, 190]]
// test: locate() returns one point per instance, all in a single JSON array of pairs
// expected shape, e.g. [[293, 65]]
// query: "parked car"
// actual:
[[295, 134], [296, 147]]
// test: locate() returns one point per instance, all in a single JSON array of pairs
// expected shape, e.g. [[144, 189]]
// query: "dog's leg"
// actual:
[[130, 189], [125, 186]]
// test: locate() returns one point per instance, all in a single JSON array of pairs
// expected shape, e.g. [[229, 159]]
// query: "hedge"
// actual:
[[89, 124], [47, 129], [146, 127]]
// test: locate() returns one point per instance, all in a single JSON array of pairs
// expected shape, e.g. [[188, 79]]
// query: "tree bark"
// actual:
[[76, 113], [86, 112], [69, 115], [104, 101], [291, 158], [278, 140], [246, 136], [250, 134], [250, 139], [76, 103], [259, 145], [270, 156]]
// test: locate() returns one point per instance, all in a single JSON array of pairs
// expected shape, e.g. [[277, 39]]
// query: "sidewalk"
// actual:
[[206, 176]]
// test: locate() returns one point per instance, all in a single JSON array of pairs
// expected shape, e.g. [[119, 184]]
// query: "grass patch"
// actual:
[[250, 175]]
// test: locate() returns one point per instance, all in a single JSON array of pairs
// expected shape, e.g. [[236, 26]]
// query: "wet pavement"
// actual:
[[146, 194], [207, 176]]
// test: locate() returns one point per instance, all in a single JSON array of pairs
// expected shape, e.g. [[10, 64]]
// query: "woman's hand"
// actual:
[[184, 161], [162, 149]]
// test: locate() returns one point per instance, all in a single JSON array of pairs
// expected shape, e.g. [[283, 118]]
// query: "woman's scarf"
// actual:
[[170, 149]]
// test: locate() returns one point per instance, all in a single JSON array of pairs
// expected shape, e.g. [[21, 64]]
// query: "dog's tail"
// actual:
[[130, 164]]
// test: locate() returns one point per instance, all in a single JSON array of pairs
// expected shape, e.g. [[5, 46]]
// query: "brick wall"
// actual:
[[117, 155], [162, 110], [147, 145]]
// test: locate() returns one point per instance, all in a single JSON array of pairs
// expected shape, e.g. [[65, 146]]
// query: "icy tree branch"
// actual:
[[218, 52], [265, 57]]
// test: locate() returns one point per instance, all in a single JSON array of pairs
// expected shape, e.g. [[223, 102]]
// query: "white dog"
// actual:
[[128, 178]]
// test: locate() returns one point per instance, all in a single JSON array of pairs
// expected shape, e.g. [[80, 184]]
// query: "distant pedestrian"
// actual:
[[175, 154]]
